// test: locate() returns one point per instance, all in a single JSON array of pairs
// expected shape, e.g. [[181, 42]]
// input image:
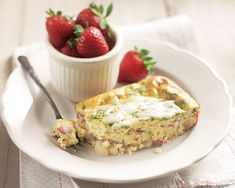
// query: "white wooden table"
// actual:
[[23, 21]]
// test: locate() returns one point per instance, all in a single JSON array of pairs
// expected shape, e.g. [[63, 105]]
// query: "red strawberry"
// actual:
[[110, 40], [135, 66], [59, 28], [88, 18], [92, 43], [69, 48], [96, 16]]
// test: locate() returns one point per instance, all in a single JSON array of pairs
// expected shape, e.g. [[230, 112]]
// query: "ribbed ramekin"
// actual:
[[80, 78]]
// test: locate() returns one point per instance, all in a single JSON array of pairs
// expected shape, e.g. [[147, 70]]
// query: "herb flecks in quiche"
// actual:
[[136, 116]]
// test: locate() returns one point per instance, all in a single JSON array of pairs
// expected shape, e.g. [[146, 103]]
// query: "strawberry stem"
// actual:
[[109, 10], [95, 9], [59, 13], [78, 30], [51, 12], [67, 17], [103, 24], [148, 61], [72, 42], [99, 11]]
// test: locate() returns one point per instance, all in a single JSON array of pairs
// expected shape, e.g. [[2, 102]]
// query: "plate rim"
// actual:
[[130, 180]]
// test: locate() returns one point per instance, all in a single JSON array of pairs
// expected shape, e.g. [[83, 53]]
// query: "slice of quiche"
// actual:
[[136, 116]]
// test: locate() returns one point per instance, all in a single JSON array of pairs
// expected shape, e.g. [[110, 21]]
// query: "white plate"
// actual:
[[189, 71]]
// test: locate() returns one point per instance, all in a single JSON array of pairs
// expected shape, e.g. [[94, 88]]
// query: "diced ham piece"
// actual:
[[174, 123], [64, 129], [158, 143], [139, 130]]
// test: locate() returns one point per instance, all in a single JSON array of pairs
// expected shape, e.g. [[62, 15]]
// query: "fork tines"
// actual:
[[71, 149]]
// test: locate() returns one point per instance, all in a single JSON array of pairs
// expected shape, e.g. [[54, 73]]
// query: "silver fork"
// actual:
[[29, 69]]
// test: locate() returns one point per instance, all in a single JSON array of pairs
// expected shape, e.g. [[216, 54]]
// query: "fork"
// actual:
[[29, 69]]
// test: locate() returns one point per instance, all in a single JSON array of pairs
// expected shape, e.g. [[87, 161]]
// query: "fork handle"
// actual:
[[28, 67]]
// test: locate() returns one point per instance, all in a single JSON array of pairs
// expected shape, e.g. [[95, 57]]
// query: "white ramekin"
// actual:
[[78, 79]]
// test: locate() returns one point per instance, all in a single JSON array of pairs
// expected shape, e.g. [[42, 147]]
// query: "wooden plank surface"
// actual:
[[213, 21], [10, 20]]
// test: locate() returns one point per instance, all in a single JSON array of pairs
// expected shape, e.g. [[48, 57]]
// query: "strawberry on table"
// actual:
[[91, 42], [60, 28], [135, 65]]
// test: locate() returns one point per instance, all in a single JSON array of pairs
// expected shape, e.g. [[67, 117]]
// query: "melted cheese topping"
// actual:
[[136, 108]]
